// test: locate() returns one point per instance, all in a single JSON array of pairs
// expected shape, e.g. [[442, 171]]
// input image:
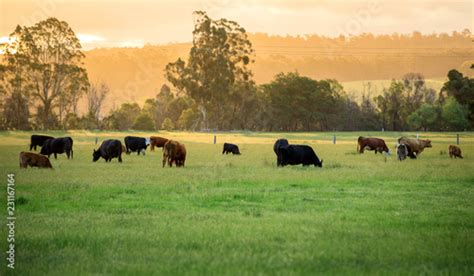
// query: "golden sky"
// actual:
[[129, 23]]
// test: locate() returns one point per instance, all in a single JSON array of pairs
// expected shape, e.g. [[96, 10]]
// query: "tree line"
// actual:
[[42, 79]]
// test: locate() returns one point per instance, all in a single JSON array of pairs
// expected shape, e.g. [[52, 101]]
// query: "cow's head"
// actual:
[[95, 155], [44, 150], [319, 164], [428, 144]]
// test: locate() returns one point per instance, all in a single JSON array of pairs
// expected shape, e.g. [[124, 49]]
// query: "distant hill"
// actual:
[[134, 74]]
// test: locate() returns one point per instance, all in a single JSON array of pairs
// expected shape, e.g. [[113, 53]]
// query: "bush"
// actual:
[[144, 122], [188, 119], [167, 124], [455, 115]]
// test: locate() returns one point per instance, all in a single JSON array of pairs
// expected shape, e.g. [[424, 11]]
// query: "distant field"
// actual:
[[356, 88], [239, 215]]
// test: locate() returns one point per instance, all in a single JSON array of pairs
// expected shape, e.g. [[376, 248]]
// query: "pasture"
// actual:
[[240, 215]]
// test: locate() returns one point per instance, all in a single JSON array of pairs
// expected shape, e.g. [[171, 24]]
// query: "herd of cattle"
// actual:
[[174, 152]]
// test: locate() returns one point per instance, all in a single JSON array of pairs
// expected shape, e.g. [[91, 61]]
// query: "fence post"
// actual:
[[96, 140], [457, 139], [334, 139], [417, 136], [215, 139]]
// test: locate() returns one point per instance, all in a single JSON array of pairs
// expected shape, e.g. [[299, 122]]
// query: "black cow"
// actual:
[[138, 144], [298, 154], [230, 148], [108, 149], [279, 143], [38, 140], [57, 146]]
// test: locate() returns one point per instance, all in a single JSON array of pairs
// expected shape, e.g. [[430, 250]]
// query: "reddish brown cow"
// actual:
[[158, 142], [369, 143], [454, 151], [174, 152], [34, 160]]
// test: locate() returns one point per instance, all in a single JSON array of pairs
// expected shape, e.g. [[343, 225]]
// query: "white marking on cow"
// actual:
[[143, 151], [147, 141]]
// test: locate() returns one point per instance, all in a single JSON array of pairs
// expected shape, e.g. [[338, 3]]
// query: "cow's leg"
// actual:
[[55, 156], [31, 147]]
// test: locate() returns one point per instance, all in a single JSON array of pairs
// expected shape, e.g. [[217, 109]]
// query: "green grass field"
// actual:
[[241, 215]]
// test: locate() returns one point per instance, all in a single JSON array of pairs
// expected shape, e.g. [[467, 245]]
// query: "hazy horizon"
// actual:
[[133, 24]]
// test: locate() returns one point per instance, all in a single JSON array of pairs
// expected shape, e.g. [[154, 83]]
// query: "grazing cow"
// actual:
[[174, 152], [158, 142], [38, 140], [402, 152], [414, 146], [454, 151], [279, 143], [230, 148], [138, 144], [108, 149], [299, 154], [58, 146], [369, 143], [34, 160]]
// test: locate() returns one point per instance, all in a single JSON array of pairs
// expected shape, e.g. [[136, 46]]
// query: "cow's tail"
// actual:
[[358, 143], [70, 140]]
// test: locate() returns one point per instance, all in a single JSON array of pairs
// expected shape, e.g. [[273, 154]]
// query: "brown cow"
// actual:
[[415, 146], [34, 160], [454, 151], [369, 143], [158, 142], [174, 152]]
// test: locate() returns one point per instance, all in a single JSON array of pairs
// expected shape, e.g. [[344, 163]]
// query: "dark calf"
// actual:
[[38, 140], [108, 149], [230, 148], [58, 146]]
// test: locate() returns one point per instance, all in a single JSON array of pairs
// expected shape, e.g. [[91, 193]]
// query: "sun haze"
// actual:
[[128, 23]]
